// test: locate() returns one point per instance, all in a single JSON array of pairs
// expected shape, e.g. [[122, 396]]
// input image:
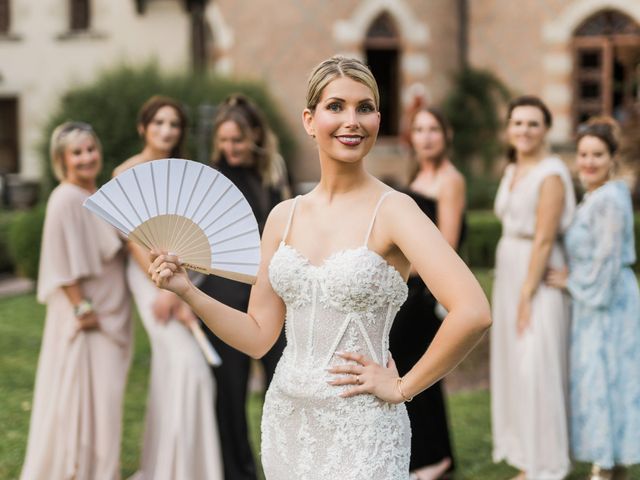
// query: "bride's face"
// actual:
[[345, 122]]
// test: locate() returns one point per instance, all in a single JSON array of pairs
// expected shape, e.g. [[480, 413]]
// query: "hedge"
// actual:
[[25, 237], [484, 231], [6, 261], [111, 103]]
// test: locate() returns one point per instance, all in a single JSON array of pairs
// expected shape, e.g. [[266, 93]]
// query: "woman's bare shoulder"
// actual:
[[127, 164], [452, 176], [279, 215]]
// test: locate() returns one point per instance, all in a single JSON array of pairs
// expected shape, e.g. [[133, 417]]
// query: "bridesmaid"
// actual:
[[245, 151], [529, 340], [439, 190], [181, 436], [605, 328], [86, 348]]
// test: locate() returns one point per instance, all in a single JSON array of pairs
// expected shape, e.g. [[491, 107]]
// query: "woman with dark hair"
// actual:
[[529, 340], [605, 321], [439, 190], [76, 421], [245, 151], [181, 437]]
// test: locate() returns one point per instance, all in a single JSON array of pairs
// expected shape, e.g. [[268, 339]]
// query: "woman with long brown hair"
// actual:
[[245, 151], [181, 437], [439, 190]]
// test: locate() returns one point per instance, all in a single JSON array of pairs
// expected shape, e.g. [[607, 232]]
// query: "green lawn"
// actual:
[[21, 321]]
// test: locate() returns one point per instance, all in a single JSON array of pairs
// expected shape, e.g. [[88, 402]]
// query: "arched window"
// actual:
[[606, 48], [5, 21], [382, 49], [79, 15]]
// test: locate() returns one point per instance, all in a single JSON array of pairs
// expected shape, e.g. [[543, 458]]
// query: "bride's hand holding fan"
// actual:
[[167, 272]]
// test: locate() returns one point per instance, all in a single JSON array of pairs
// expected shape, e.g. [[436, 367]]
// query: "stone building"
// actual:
[[581, 56]]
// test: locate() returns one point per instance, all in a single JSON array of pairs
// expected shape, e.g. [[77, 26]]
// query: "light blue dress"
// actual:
[[605, 331]]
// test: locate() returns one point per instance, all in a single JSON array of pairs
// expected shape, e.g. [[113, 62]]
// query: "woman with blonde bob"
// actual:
[[86, 348], [334, 268]]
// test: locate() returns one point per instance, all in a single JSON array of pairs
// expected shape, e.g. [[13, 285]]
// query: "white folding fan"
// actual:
[[186, 208]]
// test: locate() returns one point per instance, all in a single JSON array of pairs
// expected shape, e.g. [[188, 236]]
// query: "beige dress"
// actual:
[[77, 404], [181, 433], [529, 372]]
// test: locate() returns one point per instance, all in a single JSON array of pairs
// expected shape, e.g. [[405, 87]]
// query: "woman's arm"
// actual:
[[254, 332], [450, 281], [88, 319], [451, 203], [453, 285], [548, 216], [593, 283], [166, 303]]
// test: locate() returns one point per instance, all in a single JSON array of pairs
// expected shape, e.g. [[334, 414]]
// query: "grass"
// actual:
[[21, 323]]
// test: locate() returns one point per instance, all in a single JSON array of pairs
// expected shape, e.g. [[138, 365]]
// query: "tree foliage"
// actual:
[[110, 104], [474, 107]]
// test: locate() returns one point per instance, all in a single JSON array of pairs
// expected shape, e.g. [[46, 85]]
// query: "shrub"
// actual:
[[110, 104], [6, 261], [483, 233], [637, 237], [473, 107], [481, 192], [25, 237]]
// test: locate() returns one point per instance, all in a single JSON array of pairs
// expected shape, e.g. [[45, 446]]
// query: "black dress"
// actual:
[[412, 332], [233, 375]]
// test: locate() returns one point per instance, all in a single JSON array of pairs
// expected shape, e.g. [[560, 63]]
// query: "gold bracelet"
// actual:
[[399, 384]]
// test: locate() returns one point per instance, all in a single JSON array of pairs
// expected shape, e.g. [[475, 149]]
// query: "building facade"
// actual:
[[581, 56]]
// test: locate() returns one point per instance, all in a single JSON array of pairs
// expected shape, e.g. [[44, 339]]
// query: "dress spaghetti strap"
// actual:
[[373, 218], [286, 230]]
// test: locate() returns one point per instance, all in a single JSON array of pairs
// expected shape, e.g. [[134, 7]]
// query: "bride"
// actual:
[[334, 269]]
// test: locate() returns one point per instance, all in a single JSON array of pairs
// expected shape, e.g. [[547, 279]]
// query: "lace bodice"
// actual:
[[352, 288], [347, 303]]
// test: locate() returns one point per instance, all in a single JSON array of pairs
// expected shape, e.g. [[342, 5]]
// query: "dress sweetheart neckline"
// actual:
[[338, 252]]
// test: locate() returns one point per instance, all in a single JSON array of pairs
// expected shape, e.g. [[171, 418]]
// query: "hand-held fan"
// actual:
[[186, 208]]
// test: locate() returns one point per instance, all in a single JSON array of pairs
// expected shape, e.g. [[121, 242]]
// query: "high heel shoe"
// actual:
[[599, 473]]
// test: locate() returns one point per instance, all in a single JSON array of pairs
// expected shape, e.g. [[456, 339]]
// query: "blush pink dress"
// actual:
[[76, 417]]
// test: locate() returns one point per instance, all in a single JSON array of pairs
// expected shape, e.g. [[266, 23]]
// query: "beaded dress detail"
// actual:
[[347, 303]]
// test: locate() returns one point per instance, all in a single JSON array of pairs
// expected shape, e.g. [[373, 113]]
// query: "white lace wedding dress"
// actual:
[[346, 304]]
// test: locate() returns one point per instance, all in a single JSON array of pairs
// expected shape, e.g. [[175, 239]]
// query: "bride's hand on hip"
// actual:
[[167, 272], [367, 376]]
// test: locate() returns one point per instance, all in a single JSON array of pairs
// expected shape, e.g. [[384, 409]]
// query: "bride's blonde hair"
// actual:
[[339, 67]]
